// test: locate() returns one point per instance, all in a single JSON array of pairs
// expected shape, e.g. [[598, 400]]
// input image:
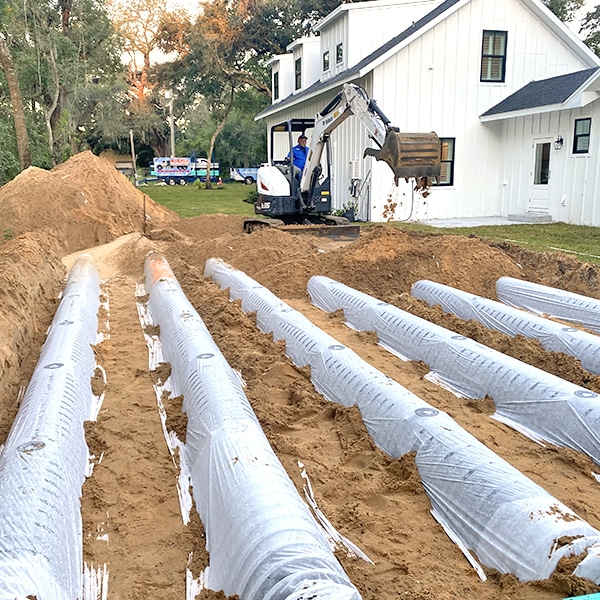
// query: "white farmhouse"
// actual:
[[510, 90]]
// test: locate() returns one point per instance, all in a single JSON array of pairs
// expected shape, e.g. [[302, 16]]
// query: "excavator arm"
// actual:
[[408, 155]]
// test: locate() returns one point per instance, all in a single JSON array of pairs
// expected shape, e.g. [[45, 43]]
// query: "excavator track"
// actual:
[[332, 227]]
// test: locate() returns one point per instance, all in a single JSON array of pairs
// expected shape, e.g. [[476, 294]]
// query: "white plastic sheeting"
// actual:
[[43, 464], [262, 540], [513, 321], [530, 400], [553, 302], [485, 504]]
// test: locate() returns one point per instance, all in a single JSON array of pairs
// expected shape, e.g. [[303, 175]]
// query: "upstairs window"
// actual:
[[298, 73], [276, 85], [581, 136], [447, 171], [339, 53], [493, 56], [326, 60]]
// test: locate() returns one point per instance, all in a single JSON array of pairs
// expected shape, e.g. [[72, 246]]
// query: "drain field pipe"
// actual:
[[262, 540], [486, 505], [541, 299], [538, 404], [43, 464], [513, 321]]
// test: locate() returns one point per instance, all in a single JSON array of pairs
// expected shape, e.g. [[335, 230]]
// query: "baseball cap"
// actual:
[[302, 137]]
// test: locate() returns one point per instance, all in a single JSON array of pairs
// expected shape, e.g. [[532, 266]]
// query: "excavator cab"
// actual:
[[278, 184]]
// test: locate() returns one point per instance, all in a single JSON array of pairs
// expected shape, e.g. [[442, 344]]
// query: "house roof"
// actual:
[[367, 63], [354, 7], [546, 94], [417, 28]]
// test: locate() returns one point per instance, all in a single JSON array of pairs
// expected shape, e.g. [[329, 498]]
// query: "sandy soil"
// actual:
[[49, 218]]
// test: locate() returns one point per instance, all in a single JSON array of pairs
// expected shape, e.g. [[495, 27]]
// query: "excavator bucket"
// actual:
[[415, 155]]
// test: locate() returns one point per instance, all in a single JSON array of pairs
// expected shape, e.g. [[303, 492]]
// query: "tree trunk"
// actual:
[[215, 135], [17, 105], [65, 16], [50, 112]]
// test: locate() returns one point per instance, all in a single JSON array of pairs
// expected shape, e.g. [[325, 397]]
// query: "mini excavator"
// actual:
[[294, 201]]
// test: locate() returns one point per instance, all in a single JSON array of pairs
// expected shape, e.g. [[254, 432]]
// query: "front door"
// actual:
[[538, 197]]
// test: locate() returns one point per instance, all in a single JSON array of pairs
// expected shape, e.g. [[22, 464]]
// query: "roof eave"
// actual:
[[525, 112], [564, 33], [282, 105]]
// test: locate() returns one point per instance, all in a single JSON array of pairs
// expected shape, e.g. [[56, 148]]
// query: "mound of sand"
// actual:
[[83, 202]]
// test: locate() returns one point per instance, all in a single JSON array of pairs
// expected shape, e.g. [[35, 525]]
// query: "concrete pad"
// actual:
[[468, 222], [530, 218]]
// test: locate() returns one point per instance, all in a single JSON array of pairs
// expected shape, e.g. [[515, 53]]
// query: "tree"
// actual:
[[22, 138], [565, 10], [58, 49], [221, 57], [139, 23], [590, 28]]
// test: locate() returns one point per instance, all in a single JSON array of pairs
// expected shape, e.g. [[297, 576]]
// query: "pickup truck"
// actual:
[[245, 174]]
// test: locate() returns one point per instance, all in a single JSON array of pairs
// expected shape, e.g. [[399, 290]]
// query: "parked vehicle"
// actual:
[[245, 174], [176, 170]]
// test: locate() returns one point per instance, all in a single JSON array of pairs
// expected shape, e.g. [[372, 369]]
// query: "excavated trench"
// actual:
[[131, 513]]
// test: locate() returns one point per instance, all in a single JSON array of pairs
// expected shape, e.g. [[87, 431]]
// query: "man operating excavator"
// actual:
[[299, 155]]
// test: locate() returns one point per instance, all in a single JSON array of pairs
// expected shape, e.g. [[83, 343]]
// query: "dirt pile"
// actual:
[[84, 202], [131, 517]]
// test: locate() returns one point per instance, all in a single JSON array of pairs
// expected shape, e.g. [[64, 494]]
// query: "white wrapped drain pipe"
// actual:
[[550, 301], [262, 540], [43, 464], [532, 401], [485, 504], [513, 321]]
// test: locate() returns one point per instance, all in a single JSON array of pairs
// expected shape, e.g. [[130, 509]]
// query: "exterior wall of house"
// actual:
[[574, 183], [308, 50], [282, 64], [336, 33], [437, 88], [433, 84], [386, 18]]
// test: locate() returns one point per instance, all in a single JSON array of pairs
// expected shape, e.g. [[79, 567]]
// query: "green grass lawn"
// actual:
[[192, 200]]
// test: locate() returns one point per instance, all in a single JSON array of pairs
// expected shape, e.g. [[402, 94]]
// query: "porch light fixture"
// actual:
[[558, 142]]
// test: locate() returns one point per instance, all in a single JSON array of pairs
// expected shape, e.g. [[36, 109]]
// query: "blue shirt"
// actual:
[[299, 154]]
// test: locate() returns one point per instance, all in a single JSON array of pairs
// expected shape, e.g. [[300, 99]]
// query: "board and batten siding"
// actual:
[[433, 85], [336, 33], [574, 181]]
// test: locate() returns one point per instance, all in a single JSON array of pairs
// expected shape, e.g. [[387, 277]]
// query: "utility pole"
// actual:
[[169, 97], [135, 175]]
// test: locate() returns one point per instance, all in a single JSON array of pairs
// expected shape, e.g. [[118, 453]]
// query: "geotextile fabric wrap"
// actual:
[[513, 321], [510, 523], [44, 461], [532, 401], [541, 299], [262, 540]]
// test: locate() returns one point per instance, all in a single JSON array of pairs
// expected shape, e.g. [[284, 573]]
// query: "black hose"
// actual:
[[331, 105]]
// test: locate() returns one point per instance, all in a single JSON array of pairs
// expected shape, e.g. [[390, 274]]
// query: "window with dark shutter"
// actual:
[[493, 56]]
